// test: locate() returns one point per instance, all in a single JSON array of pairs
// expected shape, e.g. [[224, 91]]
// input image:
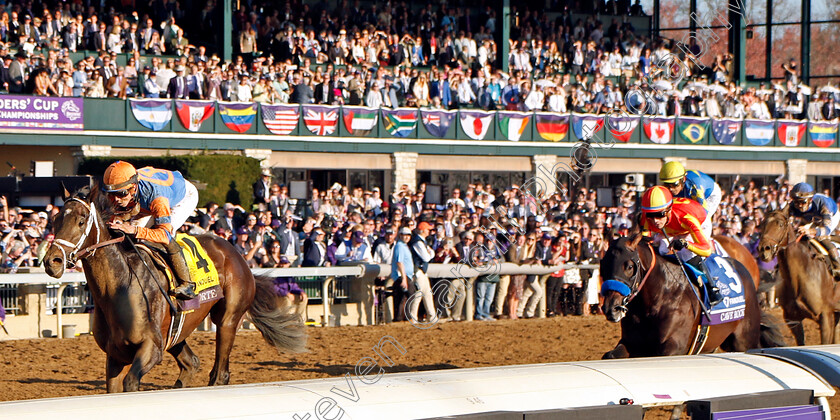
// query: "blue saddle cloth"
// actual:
[[726, 279]]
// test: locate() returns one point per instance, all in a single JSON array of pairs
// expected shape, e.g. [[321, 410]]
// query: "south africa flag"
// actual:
[[399, 122]]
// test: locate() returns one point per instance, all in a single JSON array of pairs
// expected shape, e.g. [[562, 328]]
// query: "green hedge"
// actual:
[[228, 178]]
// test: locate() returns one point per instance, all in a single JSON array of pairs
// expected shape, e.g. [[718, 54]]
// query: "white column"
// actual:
[[796, 170], [544, 174], [263, 155], [404, 167]]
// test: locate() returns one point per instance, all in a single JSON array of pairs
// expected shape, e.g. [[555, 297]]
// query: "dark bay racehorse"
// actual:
[[660, 316], [807, 289], [131, 319]]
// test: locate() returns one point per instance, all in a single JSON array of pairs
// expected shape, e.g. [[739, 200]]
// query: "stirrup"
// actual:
[[184, 291], [714, 296]]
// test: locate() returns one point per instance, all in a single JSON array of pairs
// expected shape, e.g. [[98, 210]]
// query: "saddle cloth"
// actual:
[[726, 279], [202, 271]]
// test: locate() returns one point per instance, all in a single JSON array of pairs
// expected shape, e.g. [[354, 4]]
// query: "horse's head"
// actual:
[[775, 234], [73, 227], [621, 272]]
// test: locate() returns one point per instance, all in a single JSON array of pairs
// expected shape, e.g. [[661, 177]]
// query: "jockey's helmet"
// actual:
[[657, 199], [119, 176], [802, 193], [671, 172]]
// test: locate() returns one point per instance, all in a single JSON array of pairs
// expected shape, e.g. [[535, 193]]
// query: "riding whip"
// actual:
[[682, 267], [4, 328]]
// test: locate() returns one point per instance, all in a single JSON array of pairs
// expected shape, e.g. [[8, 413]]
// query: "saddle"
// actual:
[[202, 270]]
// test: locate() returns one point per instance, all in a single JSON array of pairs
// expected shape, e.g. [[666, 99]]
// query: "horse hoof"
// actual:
[[179, 384]]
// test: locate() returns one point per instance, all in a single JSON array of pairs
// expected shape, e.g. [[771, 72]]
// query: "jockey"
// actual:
[[164, 195], [694, 185], [680, 220], [820, 212]]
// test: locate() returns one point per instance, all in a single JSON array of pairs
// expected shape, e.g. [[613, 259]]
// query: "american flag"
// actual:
[[322, 122], [280, 119]]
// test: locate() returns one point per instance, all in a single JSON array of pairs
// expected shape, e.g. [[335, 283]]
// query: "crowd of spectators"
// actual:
[[348, 225], [391, 55]]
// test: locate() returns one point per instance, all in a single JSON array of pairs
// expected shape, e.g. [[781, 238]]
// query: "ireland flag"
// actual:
[[513, 124], [359, 121], [476, 123], [399, 122]]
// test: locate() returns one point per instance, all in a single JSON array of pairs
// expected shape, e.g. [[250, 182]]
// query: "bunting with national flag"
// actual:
[[791, 132], [823, 133], [513, 124], [358, 120], [552, 127], [399, 122], [692, 130], [726, 130], [280, 119], [320, 120], [659, 129], [759, 132], [193, 113], [238, 116], [437, 122], [622, 127], [476, 123], [585, 126], [153, 114]]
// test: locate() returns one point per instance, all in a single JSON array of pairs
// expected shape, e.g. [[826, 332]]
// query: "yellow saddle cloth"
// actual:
[[202, 270]]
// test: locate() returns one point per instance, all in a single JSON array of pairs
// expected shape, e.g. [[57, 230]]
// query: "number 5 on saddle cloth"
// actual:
[[726, 279]]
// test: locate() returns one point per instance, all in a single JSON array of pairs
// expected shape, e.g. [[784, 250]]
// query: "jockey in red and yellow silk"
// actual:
[[165, 197], [680, 219]]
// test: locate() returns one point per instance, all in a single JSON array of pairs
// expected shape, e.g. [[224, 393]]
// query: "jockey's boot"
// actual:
[[833, 256], [709, 283], [186, 288]]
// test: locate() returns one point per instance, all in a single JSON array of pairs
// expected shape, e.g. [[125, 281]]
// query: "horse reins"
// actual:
[[637, 286]]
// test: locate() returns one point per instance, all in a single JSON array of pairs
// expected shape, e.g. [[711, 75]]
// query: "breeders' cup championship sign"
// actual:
[[41, 113]]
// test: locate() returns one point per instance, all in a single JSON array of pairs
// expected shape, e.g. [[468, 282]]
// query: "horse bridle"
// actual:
[[786, 229], [633, 283], [74, 248]]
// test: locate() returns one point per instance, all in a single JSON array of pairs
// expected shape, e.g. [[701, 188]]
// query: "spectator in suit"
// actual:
[[178, 88], [231, 219], [290, 242], [131, 42], [98, 40], [315, 250], [278, 203], [118, 85], [29, 31], [146, 36], [302, 93], [262, 188], [17, 73], [70, 40], [5, 77], [195, 83]]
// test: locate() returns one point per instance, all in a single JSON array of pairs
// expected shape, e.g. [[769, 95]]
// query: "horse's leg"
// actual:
[[187, 361], [227, 320], [827, 327], [114, 374], [619, 352], [797, 330], [147, 356]]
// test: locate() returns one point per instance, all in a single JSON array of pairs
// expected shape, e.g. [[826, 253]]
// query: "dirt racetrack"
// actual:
[[46, 368]]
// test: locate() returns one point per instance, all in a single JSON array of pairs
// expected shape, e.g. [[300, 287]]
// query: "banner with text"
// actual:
[[41, 113]]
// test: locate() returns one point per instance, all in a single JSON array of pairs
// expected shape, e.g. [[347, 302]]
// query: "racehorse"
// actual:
[[132, 317], [807, 289], [661, 315]]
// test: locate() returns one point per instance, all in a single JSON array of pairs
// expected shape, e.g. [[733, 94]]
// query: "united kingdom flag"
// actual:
[[321, 120]]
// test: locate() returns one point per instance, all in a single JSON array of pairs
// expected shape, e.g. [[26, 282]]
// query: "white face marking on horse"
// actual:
[[67, 212]]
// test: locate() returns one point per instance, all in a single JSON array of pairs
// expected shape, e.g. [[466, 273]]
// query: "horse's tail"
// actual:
[[771, 331], [280, 327]]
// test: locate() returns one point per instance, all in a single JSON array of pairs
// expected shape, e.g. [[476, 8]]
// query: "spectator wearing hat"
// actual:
[[150, 88], [359, 250], [420, 288], [402, 271], [17, 73], [250, 249], [178, 87], [231, 219], [262, 189]]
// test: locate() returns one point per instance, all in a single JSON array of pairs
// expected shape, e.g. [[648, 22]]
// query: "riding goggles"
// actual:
[[657, 215], [119, 193]]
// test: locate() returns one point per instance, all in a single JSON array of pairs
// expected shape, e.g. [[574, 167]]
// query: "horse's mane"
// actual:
[[93, 195]]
